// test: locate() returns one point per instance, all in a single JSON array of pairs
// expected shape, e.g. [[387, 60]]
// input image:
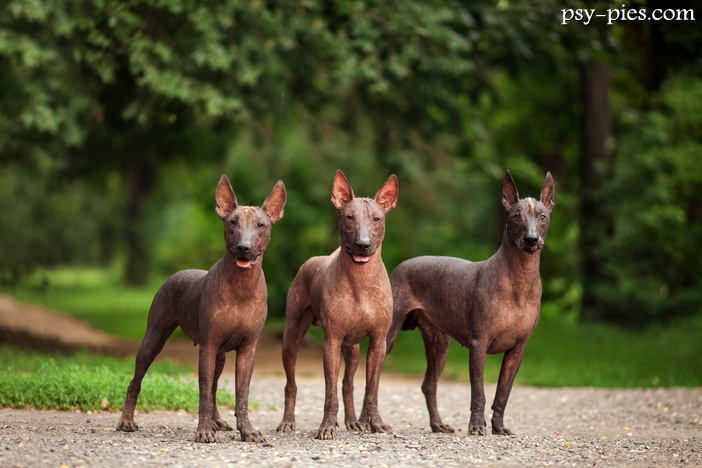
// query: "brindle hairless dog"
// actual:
[[223, 309], [348, 294], [490, 307]]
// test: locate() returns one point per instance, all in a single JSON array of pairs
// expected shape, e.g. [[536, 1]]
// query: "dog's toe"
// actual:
[[127, 426], [443, 428], [501, 431], [285, 426], [325, 433], [205, 437], [253, 436], [355, 426], [477, 430]]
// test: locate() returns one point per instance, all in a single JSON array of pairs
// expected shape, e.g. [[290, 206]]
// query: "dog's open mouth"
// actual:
[[359, 259], [532, 249], [245, 263]]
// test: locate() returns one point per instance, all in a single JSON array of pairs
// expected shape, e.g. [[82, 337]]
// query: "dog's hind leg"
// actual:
[[159, 328], [351, 355], [436, 346], [220, 423], [298, 318]]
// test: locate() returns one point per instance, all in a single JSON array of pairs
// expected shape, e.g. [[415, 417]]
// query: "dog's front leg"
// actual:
[[206, 369], [374, 367], [220, 423], [351, 355], [476, 368], [511, 362], [332, 360], [245, 357]]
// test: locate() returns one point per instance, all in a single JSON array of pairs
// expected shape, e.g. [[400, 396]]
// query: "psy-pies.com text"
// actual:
[[585, 16]]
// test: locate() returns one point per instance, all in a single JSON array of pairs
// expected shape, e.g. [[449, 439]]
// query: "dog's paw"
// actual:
[[381, 428], [441, 427], [477, 429], [127, 426], [222, 425], [205, 437], [252, 435], [354, 425], [501, 431], [286, 426], [326, 432]]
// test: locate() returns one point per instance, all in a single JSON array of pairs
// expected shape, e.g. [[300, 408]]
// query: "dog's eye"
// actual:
[[261, 225], [376, 219], [543, 217], [233, 222], [516, 217], [349, 217]]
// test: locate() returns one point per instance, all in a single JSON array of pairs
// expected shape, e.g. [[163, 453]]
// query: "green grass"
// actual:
[[563, 354], [92, 383]]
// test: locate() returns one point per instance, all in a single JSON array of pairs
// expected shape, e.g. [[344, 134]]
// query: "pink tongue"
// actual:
[[241, 263], [359, 259]]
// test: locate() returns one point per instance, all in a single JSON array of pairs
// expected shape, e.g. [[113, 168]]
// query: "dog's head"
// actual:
[[362, 220], [247, 229], [529, 219]]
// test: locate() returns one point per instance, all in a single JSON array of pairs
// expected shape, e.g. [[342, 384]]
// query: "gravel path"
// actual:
[[561, 427]]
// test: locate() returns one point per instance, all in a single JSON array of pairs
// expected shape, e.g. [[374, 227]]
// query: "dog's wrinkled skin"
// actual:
[[490, 307], [348, 294], [223, 309]]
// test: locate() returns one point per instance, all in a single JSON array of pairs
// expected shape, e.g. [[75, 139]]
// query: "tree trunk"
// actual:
[[594, 169], [140, 181]]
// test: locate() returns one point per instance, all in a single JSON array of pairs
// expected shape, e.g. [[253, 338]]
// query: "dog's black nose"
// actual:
[[531, 240], [244, 246], [363, 244]]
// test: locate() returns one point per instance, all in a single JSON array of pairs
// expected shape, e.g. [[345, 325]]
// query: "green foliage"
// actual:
[[652, 257], [45, 223], [91, 383], [566, 354]]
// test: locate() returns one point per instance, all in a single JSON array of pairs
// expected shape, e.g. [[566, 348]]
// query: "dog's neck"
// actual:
[[365, 273], [241, 280], [517, 260]]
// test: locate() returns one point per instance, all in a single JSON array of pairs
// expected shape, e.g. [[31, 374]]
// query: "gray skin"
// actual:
[[222, 309], [348, 294], [490, 307]]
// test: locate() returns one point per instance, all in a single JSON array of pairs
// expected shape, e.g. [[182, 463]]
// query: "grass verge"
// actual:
[[84, 381], [562, 354]]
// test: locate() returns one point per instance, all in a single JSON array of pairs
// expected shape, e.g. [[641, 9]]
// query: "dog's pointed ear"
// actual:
[[387, 194], [510, 195], [226, 200], [342, 193], [547, 193], [274, 203]]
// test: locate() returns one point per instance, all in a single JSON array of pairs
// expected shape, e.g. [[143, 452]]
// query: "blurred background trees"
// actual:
[[117, 119]]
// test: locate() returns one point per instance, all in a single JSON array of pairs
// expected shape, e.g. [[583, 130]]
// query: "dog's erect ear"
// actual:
[[342, 193], [387, 195], [226, 200], [547, 193], [510, 196], [275, 202]]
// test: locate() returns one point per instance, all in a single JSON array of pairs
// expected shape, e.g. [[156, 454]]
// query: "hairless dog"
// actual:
[[348, 294], [223, 309], [490, 307]]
